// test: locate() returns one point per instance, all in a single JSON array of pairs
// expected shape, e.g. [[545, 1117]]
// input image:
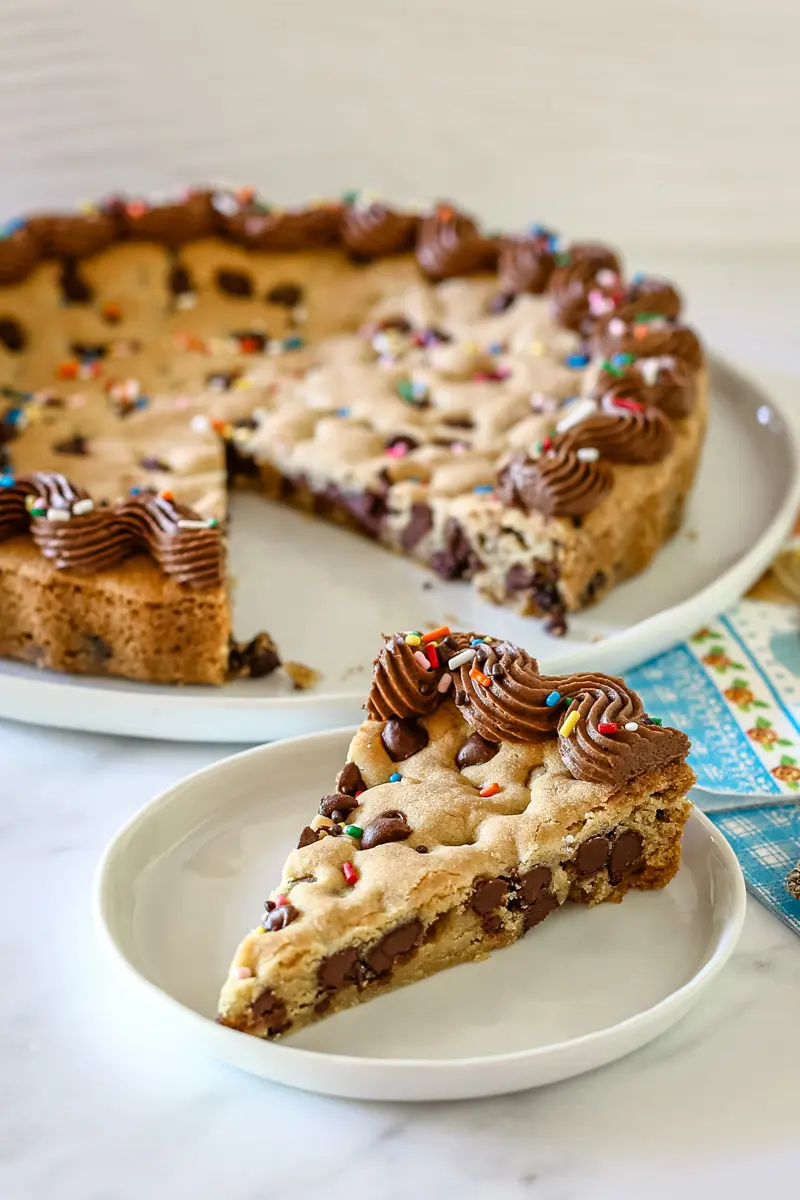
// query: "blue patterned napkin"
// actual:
[[735, 689]]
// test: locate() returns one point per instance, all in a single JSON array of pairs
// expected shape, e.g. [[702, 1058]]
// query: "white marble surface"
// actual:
[[96, 1105]]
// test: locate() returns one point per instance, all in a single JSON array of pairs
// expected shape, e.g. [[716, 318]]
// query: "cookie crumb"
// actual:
[[302, 677]]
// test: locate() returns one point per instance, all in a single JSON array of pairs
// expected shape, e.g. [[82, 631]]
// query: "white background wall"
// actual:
[[647, 121]]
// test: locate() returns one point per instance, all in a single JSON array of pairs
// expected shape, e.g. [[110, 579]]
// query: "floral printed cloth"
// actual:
[[735, 689]]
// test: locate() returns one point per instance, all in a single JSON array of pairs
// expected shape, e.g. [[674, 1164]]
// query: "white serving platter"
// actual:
[[181, 883], [326, 595]]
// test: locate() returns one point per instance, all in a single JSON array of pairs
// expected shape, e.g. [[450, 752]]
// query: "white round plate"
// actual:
[[326, 595], [182, 882]]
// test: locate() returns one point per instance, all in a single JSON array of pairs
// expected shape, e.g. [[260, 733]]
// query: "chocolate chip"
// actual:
[[419, 524], [498, 671], [421, 849], [74, 288], [493, 924], [519, 578], [268, 906], [396, 942], [308, 837], [458, 422], [12, 335], [457, 559], [341, 802], [349, 780], [402, 738], [488, 895], [334, 830], [99, 650], [501, 302], [268, 1008], [261, 657], [280, 917], [288, 295], [661, 814], [476, 750], [322, 1006], [179, 281], [556, 625], [626, 854], [74, 445], [151, 463], [234, 283], [461, 698], [535, 913], [534, 884], [388, 827], [592, 855], [338, 969]]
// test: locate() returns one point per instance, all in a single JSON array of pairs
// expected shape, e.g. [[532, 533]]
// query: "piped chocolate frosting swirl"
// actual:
[[586, 273], [526, 264], [556, 484], [622, 437], [656, 338], [450, 243], [665, 384], [75, 535], [262, 228], [503, 696], [376, 231]]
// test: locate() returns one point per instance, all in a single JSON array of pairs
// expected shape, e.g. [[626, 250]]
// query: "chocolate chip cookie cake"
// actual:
[[478, 796], [511, 410]]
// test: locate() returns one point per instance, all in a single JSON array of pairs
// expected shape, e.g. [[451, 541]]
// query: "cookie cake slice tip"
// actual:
[[478, 796]]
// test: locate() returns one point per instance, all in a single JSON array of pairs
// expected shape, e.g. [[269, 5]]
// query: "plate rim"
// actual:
[[681, 999], [65, 697]]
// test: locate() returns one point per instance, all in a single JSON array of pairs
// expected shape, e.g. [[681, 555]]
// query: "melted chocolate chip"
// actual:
[[456, 421], [626, 854], [12, 335], [488, 895], [307, 837], [338, 803], [74, 288], [288, 295], [151, 463], [476, 750], [179, 281], [255, 659], [534, 884], [388, 827], [349, 780], [280, 917], [402, 738], [419, 524], [338, 970], [535, 913], [457, 559], [234, 283], [268, 1008], [392, 945], [592, 855], [74, 445], [421, 849]]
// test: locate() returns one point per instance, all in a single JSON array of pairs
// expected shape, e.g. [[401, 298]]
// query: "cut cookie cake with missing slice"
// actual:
[[510, 409], [478, 796]]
